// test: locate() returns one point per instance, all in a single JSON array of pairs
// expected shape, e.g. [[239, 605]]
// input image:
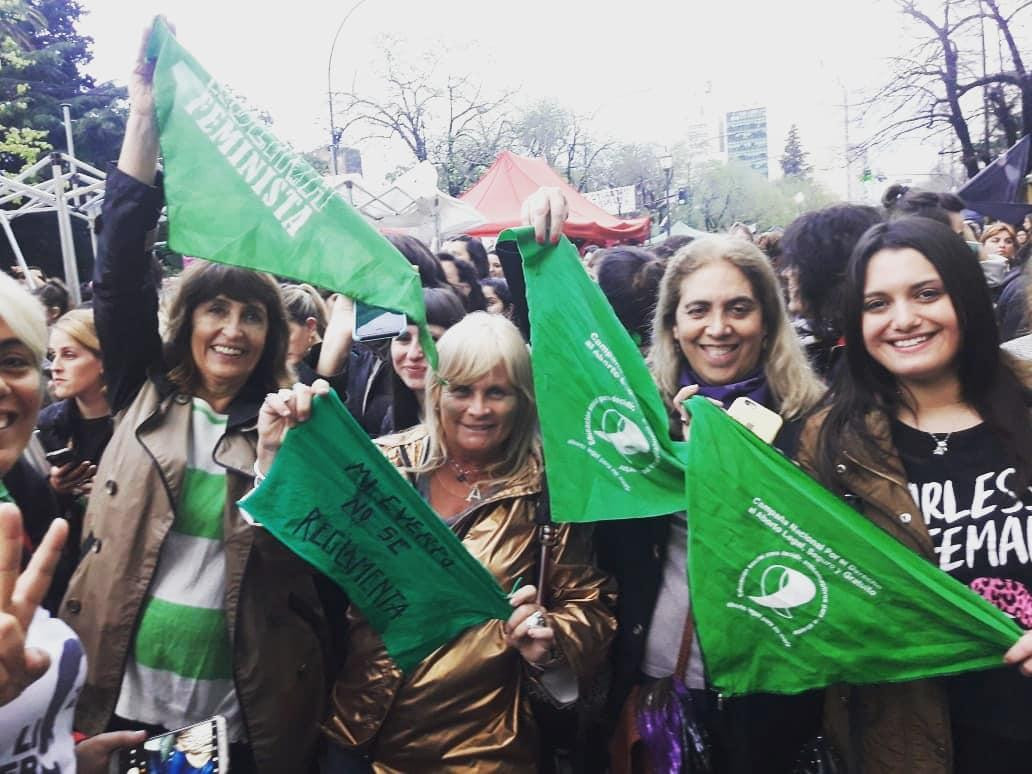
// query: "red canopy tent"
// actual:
[[511, 179]]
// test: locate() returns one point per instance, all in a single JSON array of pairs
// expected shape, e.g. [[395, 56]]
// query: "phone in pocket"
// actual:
[[758, 418], [373, 323], [202, 747]]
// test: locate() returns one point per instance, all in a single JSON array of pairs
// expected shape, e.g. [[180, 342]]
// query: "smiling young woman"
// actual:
[[928, 427]]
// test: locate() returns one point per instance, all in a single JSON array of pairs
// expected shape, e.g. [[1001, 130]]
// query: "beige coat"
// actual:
[[275, 619]]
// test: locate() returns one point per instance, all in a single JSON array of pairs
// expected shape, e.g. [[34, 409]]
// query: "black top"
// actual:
[[125, 301], [61, 424], [980, 530]]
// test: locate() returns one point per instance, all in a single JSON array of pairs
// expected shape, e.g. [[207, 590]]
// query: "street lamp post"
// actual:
[[666, 163], [334, 132]]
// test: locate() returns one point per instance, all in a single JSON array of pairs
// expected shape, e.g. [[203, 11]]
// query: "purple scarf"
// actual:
[[752, 386]]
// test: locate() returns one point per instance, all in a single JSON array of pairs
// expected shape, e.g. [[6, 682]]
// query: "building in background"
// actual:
[[747, 138]]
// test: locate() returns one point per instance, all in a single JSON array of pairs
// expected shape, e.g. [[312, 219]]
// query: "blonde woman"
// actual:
[[475, 460], [720, 330], [81, 417]]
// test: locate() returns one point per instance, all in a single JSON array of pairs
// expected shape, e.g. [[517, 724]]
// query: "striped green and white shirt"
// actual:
[[180, 670]]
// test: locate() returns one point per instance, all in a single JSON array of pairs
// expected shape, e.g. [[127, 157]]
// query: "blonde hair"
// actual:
[[788, 373], [25, 316], [78, 324], [995, 228], [468, 351]]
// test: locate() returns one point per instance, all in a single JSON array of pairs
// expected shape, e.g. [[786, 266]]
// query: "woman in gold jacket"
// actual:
[[467, 706]]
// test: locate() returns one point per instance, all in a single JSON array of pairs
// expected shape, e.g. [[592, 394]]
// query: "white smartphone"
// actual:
[[374, 324], [758, 418], [202, 747]]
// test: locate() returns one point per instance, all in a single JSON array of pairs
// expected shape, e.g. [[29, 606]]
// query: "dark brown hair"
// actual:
[[988, 378], [202, 282]]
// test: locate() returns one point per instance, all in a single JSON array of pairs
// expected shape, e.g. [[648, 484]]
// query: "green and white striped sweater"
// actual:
[[180, 669]]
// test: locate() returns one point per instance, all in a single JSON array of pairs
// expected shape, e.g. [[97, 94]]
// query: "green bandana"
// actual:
[[792, 589], [334, 500], [608, 452], [238, 195]]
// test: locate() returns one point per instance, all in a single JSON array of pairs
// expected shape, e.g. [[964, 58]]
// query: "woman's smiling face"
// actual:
[[909, 323], [719, 323], [21, 395]]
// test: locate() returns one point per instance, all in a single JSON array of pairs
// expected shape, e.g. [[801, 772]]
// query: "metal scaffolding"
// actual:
[[75, 189]]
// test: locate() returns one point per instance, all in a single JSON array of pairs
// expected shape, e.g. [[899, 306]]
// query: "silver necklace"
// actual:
[[942, 441]]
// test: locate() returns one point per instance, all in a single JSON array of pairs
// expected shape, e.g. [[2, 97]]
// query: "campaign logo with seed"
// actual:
[[785, 591]]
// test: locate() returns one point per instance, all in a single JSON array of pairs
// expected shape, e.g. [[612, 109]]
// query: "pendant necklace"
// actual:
[[464, 476], [941, 443]]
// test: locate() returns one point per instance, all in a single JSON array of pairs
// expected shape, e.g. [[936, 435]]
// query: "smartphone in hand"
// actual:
[[758, 418], [202, 747], [59, 457], [372, 323]]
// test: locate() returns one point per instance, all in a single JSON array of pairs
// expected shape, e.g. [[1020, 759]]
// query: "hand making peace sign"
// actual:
[[20, 595]]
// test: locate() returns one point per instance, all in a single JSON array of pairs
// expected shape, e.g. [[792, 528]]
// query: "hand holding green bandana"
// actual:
[[238, 195], [792, 589], [334, 500]]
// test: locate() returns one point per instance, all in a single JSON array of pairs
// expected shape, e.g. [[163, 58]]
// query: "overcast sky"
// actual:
[[642, 68]]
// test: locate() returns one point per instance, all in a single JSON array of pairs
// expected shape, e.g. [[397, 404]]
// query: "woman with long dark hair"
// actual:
[[471, 249], [464, 280], [408, 364], [927, 429]]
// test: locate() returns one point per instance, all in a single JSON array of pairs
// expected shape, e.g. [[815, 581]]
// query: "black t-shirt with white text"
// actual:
[[982, 533]]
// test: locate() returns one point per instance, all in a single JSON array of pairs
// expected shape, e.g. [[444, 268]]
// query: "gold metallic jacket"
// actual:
[[464, 707]]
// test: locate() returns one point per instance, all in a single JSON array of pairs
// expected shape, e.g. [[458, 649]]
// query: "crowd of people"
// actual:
[[137, 599]]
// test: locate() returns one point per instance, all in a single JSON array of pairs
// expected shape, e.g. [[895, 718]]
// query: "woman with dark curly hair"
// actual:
[[815, 250]]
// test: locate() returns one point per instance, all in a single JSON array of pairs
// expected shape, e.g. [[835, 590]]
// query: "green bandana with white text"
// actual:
[[238, 195], [607, 447], [792, 589]]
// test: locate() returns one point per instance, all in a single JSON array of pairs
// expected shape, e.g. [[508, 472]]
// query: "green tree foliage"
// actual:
[[721, 194], [793, 161], [41, 66]]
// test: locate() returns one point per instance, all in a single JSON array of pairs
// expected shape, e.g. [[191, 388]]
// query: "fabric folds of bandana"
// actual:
[[333, 499], [237, 195], [605, 431], [792, 589], [753, 386]]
